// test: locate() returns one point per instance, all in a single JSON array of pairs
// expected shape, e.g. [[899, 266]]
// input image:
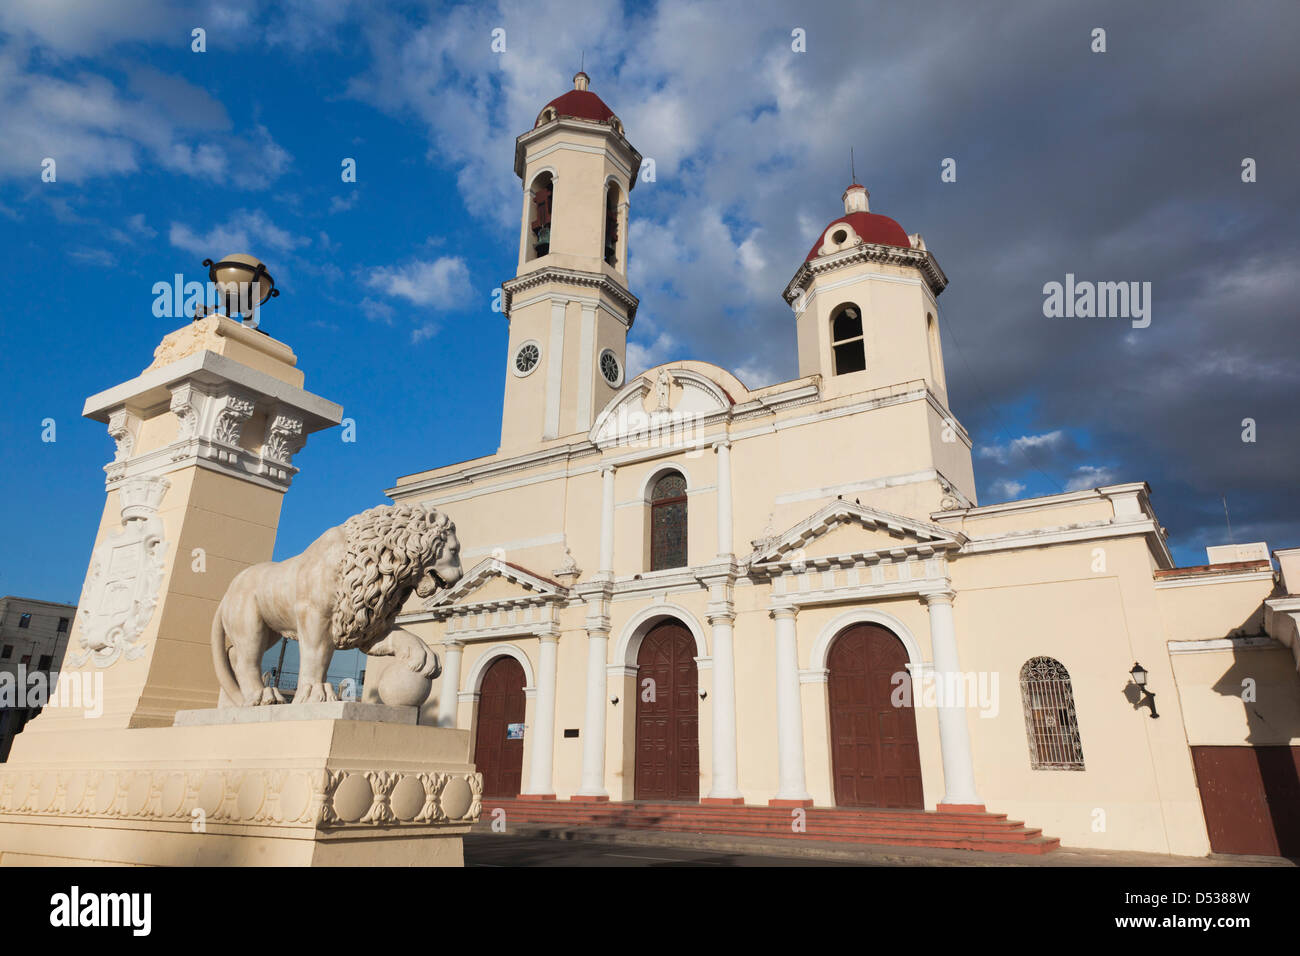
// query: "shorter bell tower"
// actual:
[[568, 305], [865, 305]]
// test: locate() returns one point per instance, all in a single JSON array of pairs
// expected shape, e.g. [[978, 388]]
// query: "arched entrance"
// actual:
[[667, 724], [500, 704], [874, 755]]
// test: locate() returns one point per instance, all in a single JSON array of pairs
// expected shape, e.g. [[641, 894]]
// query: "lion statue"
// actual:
[[344, 591]]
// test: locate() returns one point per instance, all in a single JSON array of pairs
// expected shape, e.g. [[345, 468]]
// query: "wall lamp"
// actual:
[[614, 701], [1139, 675]]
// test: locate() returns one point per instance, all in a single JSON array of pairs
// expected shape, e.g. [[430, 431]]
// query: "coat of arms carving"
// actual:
[[126, 571]]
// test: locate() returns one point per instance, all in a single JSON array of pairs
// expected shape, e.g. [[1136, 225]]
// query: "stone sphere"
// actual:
[[402, 687]]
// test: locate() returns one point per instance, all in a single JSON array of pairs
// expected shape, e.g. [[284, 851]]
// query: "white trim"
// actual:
[[657, 472], [474, 681], [580, 148], [1226, 644], [1226, 577], [629, 641], [555, 178], [862, 615]]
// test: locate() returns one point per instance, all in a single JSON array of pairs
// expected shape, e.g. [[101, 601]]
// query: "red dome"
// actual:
[[870, 227], [581, 104]]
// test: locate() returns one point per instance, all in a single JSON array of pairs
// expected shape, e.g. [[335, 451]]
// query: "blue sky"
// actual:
[[1122, 166]]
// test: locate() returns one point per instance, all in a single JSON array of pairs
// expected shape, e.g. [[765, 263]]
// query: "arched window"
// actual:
[[539, 220], [668, 522], [611, 224], [846, 339], [1050, 720]]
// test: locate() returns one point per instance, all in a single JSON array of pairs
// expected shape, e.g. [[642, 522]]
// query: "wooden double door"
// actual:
[[667, 716], [501, 703], [874, 754]]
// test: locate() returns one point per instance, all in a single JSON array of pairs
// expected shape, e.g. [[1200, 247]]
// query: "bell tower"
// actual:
[[568, 305], [865, 307]]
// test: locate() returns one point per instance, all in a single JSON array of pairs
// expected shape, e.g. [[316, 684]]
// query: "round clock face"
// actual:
[[526, 358], [609, 367]]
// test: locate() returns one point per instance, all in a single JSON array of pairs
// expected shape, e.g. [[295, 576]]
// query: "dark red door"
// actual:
[[1250, 796], [874, 755], [667, 716], [500, 703]]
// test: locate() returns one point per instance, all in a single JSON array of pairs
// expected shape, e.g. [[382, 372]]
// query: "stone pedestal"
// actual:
[[282, 792]]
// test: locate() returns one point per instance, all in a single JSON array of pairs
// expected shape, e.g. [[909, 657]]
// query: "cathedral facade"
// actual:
[[680, 588]]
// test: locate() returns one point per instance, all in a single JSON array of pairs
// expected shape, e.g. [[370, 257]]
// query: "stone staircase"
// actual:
[[991, 832]]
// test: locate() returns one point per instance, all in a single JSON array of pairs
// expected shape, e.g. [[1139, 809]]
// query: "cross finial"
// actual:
[[853, 172]]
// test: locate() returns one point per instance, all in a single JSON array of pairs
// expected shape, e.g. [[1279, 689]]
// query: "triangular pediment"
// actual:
[[845, 531], [493, 583]]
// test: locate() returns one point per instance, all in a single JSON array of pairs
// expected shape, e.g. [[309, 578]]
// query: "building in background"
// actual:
[[33, 636]]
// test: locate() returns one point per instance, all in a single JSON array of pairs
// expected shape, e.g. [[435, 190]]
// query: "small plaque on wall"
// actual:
[[514, 731], [570, 731]]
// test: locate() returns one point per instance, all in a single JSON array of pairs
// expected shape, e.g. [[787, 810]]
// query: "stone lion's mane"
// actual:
[[388, 549]]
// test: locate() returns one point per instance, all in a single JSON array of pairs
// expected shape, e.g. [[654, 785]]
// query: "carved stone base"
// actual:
[[292, 793]]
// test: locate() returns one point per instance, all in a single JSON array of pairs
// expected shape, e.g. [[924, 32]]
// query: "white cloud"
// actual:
[[1026, 446], [1090, 476], [245, 231], [377, 311], [441, 283], [1006, 489]]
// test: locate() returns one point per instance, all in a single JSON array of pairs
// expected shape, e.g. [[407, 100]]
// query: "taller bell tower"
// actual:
[[568, 305]]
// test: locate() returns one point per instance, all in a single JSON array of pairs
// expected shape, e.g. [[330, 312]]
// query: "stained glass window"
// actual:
[[668, 522]]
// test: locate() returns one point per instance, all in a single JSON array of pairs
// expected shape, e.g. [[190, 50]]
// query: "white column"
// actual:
[[954, 736], [606, 568], [540, 776], [587, 370], [789, 710], [448, 696], [723, 449], [622, 237], [725, 774], [555, 369], [593, 731]]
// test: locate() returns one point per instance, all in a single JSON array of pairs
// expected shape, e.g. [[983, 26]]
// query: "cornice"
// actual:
[[590, 280], [920, 259]]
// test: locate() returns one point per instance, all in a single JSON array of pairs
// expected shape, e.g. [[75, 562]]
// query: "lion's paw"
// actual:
[[270, 695], [315, 693]]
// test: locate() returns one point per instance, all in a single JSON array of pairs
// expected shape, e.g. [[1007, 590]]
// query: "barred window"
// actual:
[[668, 522], [1050, 720]]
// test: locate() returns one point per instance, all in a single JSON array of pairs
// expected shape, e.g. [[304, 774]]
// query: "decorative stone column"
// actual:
[[205, 439], [593, 730], [541, 769], [954, 736], [789, 712], [725, 775], [723, 449], [448, 693]]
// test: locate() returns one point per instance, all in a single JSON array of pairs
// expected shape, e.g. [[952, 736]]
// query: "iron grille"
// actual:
[[1050, 720]]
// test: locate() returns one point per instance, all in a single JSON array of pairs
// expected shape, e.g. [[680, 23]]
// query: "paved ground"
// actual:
[[501, 849], [535, 845]]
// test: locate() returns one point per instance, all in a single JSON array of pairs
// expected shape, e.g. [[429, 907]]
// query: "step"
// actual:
[[958, 830], [1036, 846]]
